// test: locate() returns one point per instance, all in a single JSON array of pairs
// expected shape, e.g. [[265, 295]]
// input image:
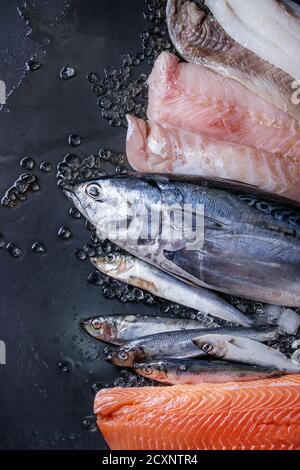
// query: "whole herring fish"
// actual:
[[200, 39], [246, 350], [119, 329], [193, 372], [221, 235], [179, 344], [138, 273]]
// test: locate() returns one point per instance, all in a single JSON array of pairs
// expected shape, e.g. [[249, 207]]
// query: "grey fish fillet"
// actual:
[[233, 238], [245, 350], [179, 344], [138, 273], [194, 372], [200, 39], [119, 329]]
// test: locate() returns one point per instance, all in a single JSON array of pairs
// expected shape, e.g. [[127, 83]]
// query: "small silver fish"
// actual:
[[194, 372], [118, 329], [138, 273], [245, 350], [178, 344]]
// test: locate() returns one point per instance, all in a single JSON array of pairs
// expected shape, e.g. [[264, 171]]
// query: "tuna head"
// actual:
[[115, 205]]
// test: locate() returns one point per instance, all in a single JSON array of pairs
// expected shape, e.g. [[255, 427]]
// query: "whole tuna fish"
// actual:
[[225, 236]]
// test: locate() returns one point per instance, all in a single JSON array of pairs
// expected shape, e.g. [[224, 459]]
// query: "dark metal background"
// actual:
[[43, 297]]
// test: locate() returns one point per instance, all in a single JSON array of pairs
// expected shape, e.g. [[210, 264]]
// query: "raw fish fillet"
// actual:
[[153, 149], [193, 98], [262, 415], [269, 28], [200, 39]]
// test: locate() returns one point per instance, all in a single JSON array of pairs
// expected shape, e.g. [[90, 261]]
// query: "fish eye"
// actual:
[[148, 370], [96, 324], [94, 191], [207, 347], [111, 257], [123, 355]]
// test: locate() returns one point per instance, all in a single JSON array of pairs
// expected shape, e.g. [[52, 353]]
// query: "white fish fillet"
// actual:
[[191, 97], [153, 149], [269, 28]]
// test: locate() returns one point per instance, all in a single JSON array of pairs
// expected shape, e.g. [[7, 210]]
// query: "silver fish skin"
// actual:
[[245, 350], [138, 273], [251, 245], [200, 39], [119, 329], [195, 372], [270, 29], [179, 344]]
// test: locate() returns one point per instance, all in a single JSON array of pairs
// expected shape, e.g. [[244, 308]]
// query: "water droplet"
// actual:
[[89, 226], [74, 140], [67, 72], [46, 167], [74, 213], [27, 163], [14, 250], [80, 254], [2, 242], [38, 247], [93, 77], [65, 367], [97, 387], [64, 233], [90, 423], [33, 65]]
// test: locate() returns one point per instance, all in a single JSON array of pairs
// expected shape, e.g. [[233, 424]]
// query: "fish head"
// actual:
[[126, 356], [152, 370], [117, 206], [211, 345], [101, 328], [114, 264]]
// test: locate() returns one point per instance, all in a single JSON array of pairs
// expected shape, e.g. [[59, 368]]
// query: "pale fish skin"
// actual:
[[138, 273], [245, 350], [270, 29], [194, 372], [200, 39], [119, 329], [251, 244]]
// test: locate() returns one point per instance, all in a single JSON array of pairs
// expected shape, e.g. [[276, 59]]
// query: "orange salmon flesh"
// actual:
[[263, 415]]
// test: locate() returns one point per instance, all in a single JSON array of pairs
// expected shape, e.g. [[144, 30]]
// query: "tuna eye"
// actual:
[[123, 355], [207, 348], [94, 191], [148, 370]]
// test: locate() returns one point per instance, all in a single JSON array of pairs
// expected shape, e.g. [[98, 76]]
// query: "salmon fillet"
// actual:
[[191, 97], [151, 148], [263, 415]]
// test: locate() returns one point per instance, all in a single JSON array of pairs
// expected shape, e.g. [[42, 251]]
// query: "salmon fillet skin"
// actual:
[[193, 98], [261, 415]]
